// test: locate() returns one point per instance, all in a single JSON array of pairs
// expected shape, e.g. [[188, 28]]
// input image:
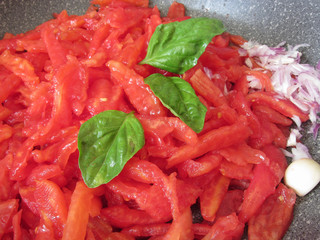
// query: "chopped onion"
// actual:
[[300, 83]]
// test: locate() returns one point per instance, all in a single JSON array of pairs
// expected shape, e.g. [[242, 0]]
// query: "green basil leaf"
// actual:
[[106, 142], [177, 46], [180, 98]]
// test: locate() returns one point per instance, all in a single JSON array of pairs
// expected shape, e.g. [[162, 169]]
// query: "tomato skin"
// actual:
[[275, 216]]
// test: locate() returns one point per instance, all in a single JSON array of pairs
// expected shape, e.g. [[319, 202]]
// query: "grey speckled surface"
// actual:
[[268, 21]]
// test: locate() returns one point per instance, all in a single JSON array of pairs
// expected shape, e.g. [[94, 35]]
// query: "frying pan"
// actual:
[[266, 21]]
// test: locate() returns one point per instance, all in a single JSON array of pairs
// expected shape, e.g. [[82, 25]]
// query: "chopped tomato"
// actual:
[[8, 209], [228, 227], [176, 10], [213, 140], [262, 186], [138, 92], [275, 215], [78, 214], [212, 196]]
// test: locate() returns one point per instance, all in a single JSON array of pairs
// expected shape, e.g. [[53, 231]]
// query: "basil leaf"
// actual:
[[177, 46], [106, 142], [180, 98]]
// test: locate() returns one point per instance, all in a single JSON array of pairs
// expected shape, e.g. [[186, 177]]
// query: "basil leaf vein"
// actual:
[[180, 98], [106, 142], [177, 46]]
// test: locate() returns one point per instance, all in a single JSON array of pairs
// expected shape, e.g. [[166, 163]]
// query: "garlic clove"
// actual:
[[302, 175]]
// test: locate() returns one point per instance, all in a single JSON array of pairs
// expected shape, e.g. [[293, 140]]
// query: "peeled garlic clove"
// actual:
[[302, 175]]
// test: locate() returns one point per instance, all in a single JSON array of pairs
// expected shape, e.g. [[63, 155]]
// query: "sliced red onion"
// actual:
[[300, 83], [300, 151], [294, 136]]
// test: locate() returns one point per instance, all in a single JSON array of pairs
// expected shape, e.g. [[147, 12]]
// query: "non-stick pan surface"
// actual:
[[267, 21]]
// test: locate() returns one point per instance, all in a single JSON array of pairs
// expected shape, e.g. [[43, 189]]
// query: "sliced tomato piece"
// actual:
[[157, 229], [275, 216], [235, 171], [137, 91], [42, 172], [242, 106], [243, 154], [284, 106], [277, 161], [51, 205], [262, 186], [206, 88], [176, 10], [20, 67], [57, 54], [272, 115], [8, 209], [99, 227], [119, 236], [228, 227], [201, 166], [231, 203], [181, 227], [122, 216], [212, 196], [213, 140], [16, 221], [140, 3], [45, 229], [78, 214]]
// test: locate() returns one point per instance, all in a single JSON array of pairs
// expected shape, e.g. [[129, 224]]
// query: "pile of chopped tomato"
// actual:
[[180, 185]]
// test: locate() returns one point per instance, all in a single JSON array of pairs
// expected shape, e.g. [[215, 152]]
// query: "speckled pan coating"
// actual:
[[267, 21]]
